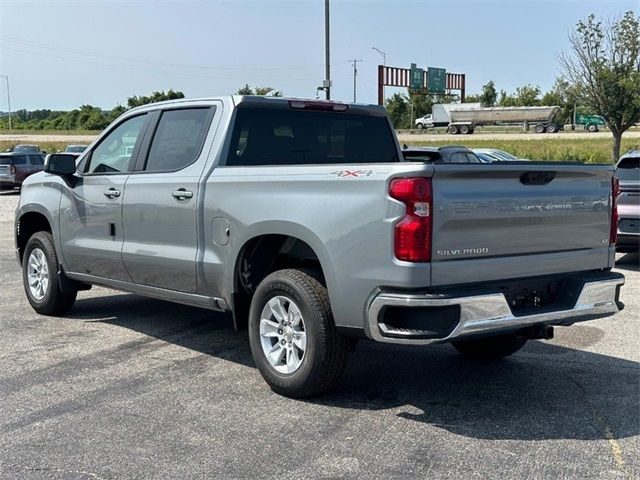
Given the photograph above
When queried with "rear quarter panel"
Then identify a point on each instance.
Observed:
(348, 222)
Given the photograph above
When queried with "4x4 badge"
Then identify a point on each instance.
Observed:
(352, 173)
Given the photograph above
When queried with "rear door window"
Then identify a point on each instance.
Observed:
(178, 139)
(19, 160)
(283, 136)
(36, 159)
(629, 169)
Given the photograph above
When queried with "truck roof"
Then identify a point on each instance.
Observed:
(282, 102)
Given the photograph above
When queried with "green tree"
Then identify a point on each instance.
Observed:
(246, 90)
(421, 103)
(604, 65)
(489, 94)
(262, 91)
(527, 96)
(161, 96)
(398, 109)
(566, 96)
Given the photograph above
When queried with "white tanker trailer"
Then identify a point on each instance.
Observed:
(459, 118)
(464, 121)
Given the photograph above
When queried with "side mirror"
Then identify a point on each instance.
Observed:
(62, 164)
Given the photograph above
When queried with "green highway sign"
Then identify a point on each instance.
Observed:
(417, 75)
(436, 80)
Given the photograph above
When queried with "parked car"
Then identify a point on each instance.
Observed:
(303, 219)
(495, 155)
(26, 149)
(628, 174)
(75, 148)
(446, 154)
(16, 167)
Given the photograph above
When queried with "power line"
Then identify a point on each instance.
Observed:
(104, 56)
(240, 76)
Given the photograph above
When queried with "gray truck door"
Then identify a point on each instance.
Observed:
(91, 208)
(160, 202)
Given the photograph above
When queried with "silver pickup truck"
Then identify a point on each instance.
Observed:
(303, 219)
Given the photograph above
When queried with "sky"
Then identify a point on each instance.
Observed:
(60, 55)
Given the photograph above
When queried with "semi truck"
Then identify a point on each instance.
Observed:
(591, 123)
(463, 118)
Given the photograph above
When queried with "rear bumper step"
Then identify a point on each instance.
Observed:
(421, 319)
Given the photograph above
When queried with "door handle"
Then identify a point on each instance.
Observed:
(112, 193)
(182, 194)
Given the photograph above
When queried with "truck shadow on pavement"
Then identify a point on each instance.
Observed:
(549, 390)
(629, 261)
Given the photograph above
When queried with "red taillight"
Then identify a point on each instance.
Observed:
(12, 169)
(412, 234)
(615, 191)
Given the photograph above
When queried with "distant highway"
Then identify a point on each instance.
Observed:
(402, 137)
(427, 137)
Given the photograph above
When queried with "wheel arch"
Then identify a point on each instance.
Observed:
(29, 220)
(267, 247)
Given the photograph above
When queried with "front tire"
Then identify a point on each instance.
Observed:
(490, 348)
(40, 277)
(294, 342)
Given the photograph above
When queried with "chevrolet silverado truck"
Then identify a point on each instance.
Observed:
(304, 220)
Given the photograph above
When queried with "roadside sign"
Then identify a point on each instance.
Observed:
(417, 75)
(436, 80)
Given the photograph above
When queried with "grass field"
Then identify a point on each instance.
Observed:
(594, 150)
(6, 131)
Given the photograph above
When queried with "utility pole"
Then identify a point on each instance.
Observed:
(355, 74)
(327, 68)
(6, 77)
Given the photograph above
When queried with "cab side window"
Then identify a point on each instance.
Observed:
(178, 139)
(472, 158)
(459, 157)
(113, 153)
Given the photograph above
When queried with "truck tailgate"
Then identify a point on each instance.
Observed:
(511, 220)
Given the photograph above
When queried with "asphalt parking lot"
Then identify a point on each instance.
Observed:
(127, 387)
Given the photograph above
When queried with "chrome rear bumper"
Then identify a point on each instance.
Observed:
(487, 313)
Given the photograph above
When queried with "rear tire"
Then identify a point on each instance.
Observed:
(464, 130)
(489, 348)
(453, 129)
(539, 128)
(40, 277)
(291, 310)
(552, 128)
(592, 127)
